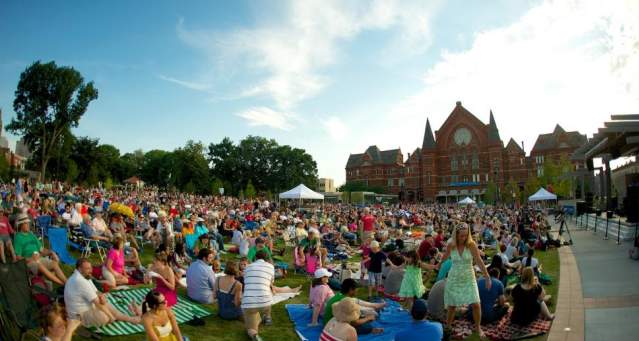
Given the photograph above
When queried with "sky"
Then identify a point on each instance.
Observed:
(331, 77)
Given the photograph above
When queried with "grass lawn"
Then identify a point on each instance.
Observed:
(282, 328)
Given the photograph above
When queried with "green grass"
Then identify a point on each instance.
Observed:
(282, 328)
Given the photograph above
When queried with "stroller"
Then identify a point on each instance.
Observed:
(18, 311)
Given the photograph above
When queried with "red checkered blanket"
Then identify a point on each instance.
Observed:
(503, 329)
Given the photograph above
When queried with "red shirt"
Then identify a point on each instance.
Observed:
(439, 241)
(368, 221)
(5, 226)
(423, 249)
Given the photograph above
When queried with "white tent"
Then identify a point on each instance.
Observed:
(466, 201)
(301, 192)
(542, 194)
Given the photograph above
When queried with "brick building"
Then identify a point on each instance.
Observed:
(457, 160)
(557, 145)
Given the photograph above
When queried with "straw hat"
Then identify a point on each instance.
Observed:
(22, 219)
(346, 310)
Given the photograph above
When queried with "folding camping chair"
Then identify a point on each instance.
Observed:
(43, 223)
(18, 311)
(59, 240)
(87, 243)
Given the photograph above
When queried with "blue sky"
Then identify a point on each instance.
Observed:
(332, 77)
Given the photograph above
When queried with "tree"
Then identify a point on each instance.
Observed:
(215, 187)
(250, 190)
(269, 166)
(490, 196)
(4, 169)
(157, 167)
(532, 186)
(49, 101)
(511, 192)
(359, 186)
(190, 165)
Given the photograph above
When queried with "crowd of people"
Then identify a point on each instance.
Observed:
(403, 248)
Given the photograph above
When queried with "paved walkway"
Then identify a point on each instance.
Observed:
(598, 290)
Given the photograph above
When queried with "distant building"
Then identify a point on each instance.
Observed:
(556, 145)
(22, 149)
(460, 159)
(326, 185)
(4, 143)
(15, 160)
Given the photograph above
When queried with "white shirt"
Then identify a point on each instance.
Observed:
(99, 225)
(258, 277)
(79, 294)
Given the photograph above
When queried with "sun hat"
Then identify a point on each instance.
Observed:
(22, 218)
(346, 310)
(321, 272)
(153, 215)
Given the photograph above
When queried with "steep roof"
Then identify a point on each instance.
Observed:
(429, 139)
(493, 132)
(571, 139)
(375, 156)
(513, 144)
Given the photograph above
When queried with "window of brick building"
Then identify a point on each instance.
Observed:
(453, 163)
(475, 164)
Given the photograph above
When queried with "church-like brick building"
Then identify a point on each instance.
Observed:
(458, 160)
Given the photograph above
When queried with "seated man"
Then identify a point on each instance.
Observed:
(421, 329)
(259, 245)
(362, 324)
(493, 301)
(200, 279)
(86, 304)
(39, 260)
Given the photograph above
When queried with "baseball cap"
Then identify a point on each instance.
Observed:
(321, 272)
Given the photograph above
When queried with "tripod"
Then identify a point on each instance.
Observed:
(563, 225)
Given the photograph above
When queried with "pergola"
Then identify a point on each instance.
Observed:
(619, 137)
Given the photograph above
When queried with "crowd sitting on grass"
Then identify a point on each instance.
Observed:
(404, 250)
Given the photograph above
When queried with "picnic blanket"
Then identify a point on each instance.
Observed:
(184, 311)
(502, 330)
(277, 298)
(392, 318)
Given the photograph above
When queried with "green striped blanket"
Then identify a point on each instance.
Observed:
(184, 311)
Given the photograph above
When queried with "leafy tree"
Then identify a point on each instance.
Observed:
(532, 186)
(157, 167)
(250, 190)
(490, 196)
(511, 192)
(359, 186)
(108, 184)
(215, 187)
(190, 165)
(49, 101)
(4, 168)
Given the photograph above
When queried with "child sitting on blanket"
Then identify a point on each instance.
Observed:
(320, 294)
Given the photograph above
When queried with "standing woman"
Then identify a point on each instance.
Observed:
(461, 288)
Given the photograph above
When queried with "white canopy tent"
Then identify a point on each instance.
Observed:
(466, 201)
(541, 195)
(301, 192)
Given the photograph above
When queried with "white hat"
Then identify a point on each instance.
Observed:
(162, 213)
(283, 217)
(187, 206)
(153, 215)
(374, 244)
(200, 219)
(313, 230)
(321, 272)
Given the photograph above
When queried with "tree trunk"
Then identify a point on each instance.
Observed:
(43, 169)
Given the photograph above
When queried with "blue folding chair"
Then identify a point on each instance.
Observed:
(250, 225)
(43, 221)
(59, 240)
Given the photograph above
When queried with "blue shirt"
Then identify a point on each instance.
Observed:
(443, 270)
(489, 297)
(200, 281)
(423, 331)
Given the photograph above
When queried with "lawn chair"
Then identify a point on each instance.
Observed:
(250, 225)
(59, 240)
(18, 311)
(43, 222)
(88, 244)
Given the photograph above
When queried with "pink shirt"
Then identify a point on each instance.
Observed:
(5, 226)
(319, 295)
(118, 260)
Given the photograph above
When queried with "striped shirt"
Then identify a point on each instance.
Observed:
(258, 277)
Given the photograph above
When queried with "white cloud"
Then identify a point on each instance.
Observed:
(262, 116)
(567, 62)
(186, 84)
(287, 54)
(335, 128)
